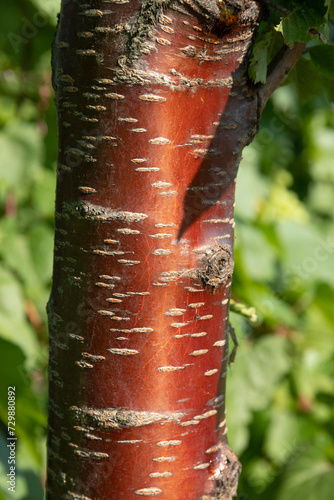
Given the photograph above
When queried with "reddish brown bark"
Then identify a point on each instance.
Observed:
(150, 138)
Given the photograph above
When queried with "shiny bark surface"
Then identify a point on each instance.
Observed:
(151, 130)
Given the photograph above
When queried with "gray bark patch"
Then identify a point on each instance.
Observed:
(88, 211)
(111, 418)
(144, 24)
(142, 29)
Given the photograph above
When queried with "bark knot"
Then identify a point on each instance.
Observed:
(217, 267)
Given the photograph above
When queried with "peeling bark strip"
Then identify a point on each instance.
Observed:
(154, 109)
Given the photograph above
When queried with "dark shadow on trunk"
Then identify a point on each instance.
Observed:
(214, 181)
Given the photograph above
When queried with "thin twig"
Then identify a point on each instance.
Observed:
(275, 6)
(278, 70)
(240, 308)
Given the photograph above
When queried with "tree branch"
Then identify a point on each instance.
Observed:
(275, 6)
(278, 71)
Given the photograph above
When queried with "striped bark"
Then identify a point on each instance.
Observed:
(154, 109)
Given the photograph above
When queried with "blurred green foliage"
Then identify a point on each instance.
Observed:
(27, 185)
(281, 386)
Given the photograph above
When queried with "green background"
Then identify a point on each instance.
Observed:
(281, 387)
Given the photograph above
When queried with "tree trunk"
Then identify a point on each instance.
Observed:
(154, 109)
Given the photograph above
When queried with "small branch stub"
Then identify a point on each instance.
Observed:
(227, 475)
(217, 267)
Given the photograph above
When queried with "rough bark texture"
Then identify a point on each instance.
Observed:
(154, 109)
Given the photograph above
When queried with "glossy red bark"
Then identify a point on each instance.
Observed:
(147, 165)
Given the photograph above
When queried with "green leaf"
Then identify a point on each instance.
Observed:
(330, 6)
(13, 325)
(17, 255)
(259, 59)
(274, 309)
(258, 255)
(306, 79)
(282, 435)
(319, 5)
(295, 27)
(266, 365)
(324, 302)
(11, 375)
(251, 186)
(20, 154)
(10, 22)
(30, 420)
(323, 150)
(323, 59)
(309, 477)
(43, 193)
(48, 9)
(319, 328)
(282, 203)
(7, 109)
(308, 254)
(41, 248)
(321, 196)
(329, 87)
(252, 383)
